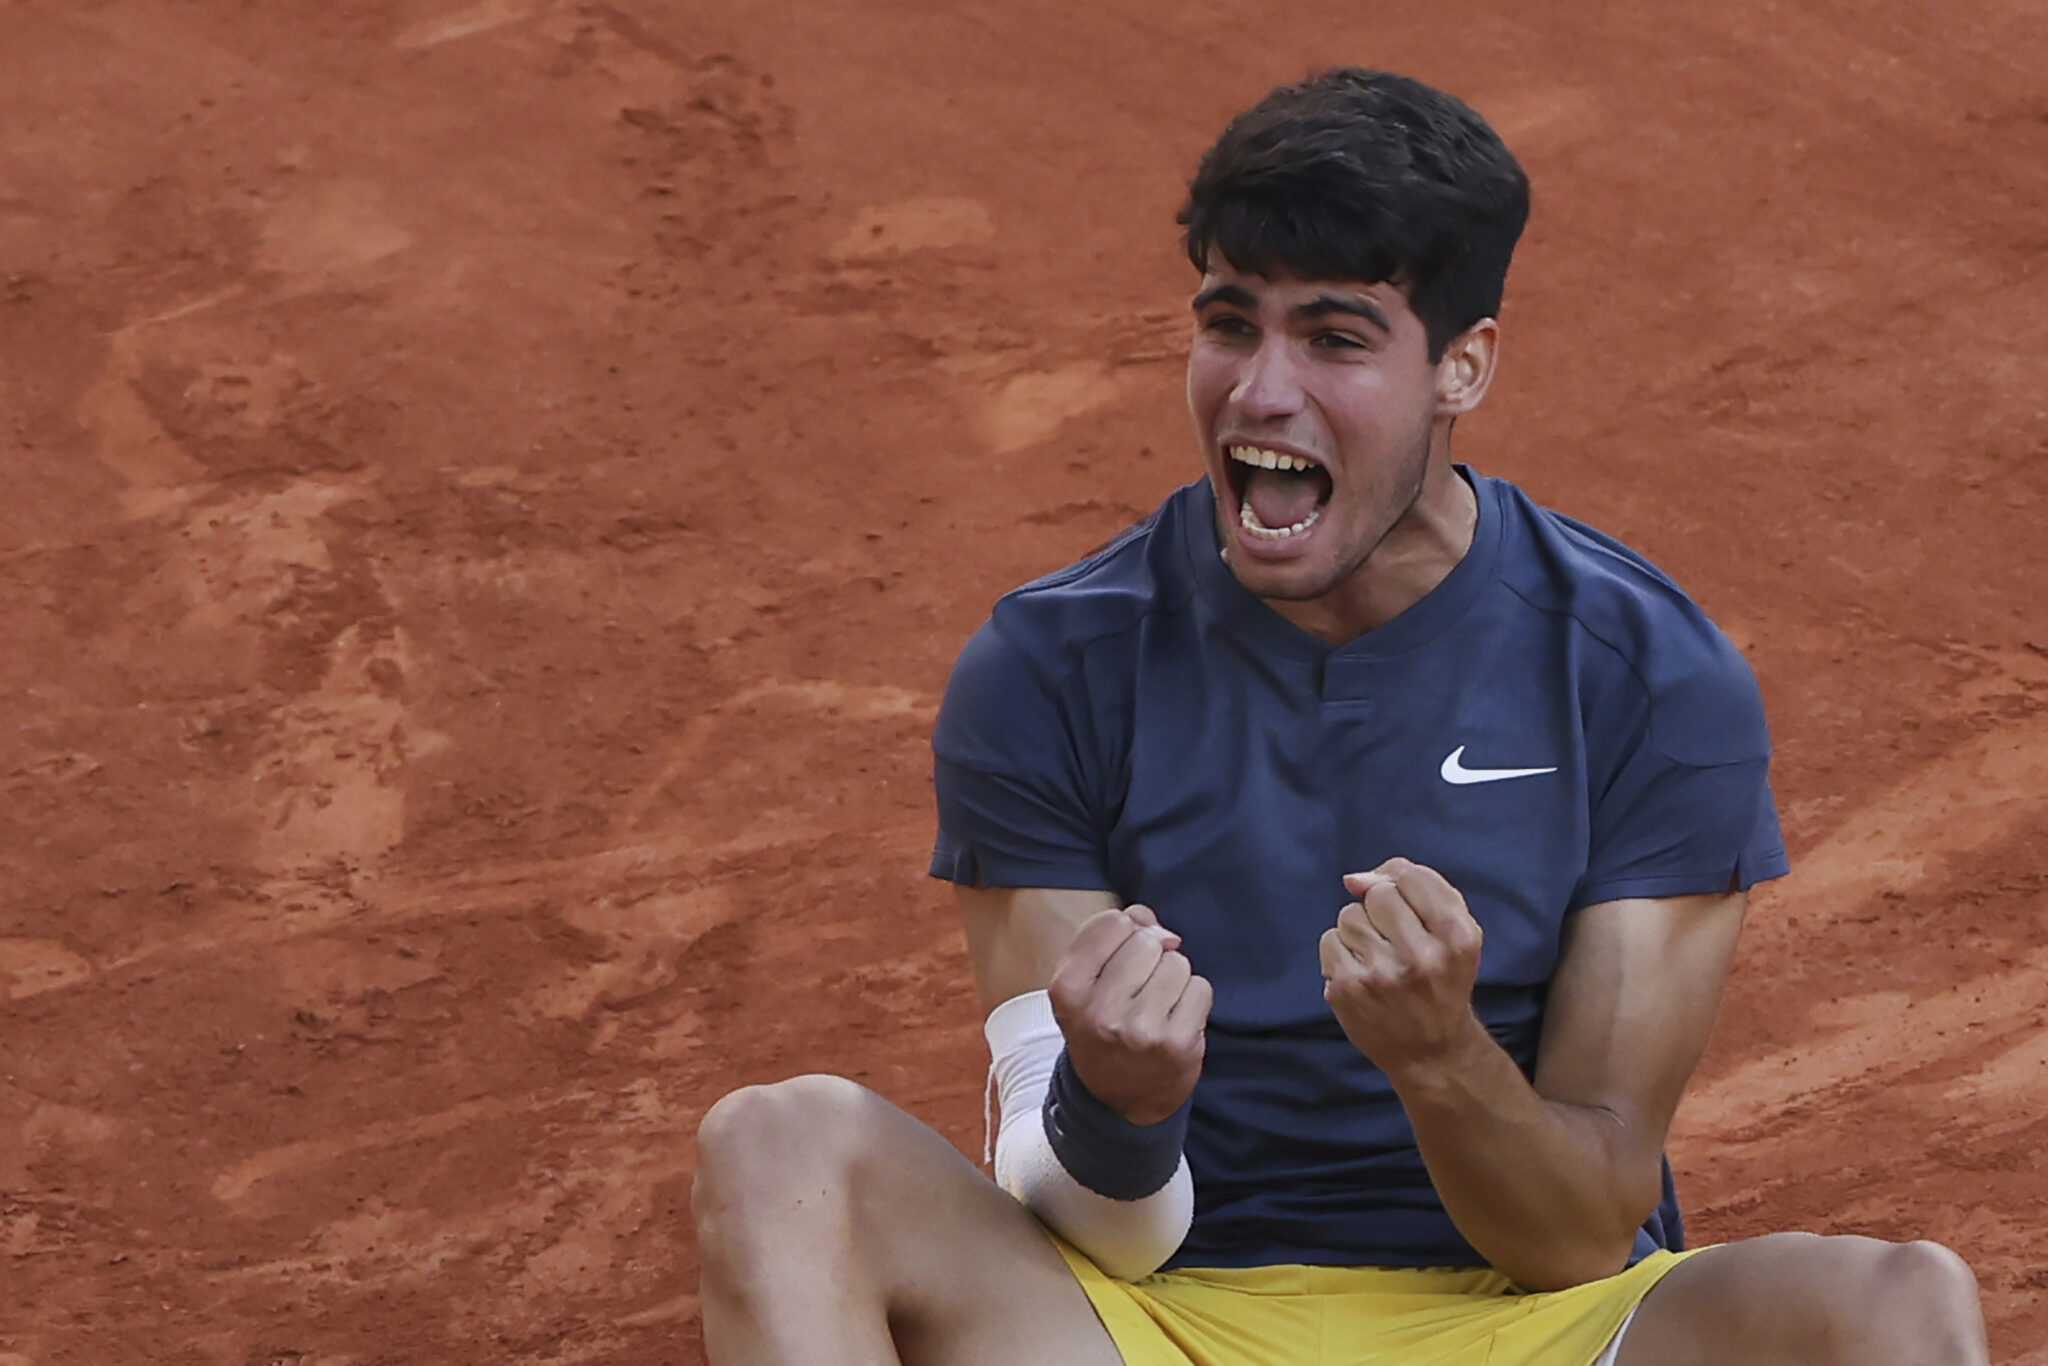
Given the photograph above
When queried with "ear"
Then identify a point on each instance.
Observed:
(1466, 370)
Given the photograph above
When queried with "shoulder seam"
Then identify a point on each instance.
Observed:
(1649, 694)
(1165, 604)
(1580, 622)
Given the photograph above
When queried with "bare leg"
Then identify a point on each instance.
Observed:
(837, 1229)
(1796, 1299)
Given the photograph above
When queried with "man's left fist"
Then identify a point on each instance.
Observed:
(1398, 968)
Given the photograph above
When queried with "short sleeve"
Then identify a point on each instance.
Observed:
(1686, 808)
(1018, 801)
(1670, 829)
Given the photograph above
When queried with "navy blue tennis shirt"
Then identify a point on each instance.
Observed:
(1555, 725)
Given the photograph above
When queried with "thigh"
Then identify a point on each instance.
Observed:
(862, 1202)
(979, 1281)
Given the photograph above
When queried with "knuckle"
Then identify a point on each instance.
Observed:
(1103, 932)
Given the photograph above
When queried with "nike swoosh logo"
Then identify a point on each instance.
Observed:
(1455, 772)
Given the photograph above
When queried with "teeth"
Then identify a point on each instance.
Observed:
(1260, 458)
(1249, 520)
(1268, 460)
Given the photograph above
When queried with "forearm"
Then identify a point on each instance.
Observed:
(1095, 1070)
(1549, 1193)
(1128, 1218)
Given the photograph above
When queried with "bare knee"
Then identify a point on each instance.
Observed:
(1906, 1302)
(812, 1116)
(814, 1181)
(1926, 1296)
(1931, 1270)
(1821, 1301)
(760, 1139)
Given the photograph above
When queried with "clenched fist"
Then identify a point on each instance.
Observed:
(1399, 966)
(1133, 1012)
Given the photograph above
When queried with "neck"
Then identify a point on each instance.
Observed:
(1417, 554)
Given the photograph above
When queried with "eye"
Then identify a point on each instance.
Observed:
(1339, 341)
(1227, 325)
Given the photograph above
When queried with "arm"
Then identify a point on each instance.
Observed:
(1016, 935)
(1548, 1180)
(1093, 1070)
(1127, 1001)
(1096, 1031)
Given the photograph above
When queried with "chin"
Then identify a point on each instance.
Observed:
(1281, 582)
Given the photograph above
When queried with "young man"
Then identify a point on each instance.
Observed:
(1352, 855)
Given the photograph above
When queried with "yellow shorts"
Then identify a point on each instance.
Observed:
(1359, 1316)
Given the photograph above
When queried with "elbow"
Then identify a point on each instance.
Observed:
(1590, 1249)
(1560, 1266)
(1587, 1227)
(1598, 1243)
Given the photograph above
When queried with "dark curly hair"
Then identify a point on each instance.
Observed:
(1364, 175)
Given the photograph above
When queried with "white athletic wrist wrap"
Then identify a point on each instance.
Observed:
(1126, 1238)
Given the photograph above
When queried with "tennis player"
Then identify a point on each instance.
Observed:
(1352, 855)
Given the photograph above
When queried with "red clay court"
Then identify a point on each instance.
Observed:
(493, 493)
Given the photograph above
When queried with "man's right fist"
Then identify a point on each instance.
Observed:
(1133, 1013)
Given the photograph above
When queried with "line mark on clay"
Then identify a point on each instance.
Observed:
(1903, 844)
(1966, 800)
(466, 23)
(235, 1183)
(1890, 1032)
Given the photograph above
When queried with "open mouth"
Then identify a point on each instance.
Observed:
(1278, 495)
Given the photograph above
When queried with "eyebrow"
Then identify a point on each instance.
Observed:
(1237, 296)
(1326, 304)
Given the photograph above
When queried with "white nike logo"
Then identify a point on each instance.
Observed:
(1454, 771)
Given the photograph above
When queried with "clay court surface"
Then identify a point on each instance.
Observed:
(491, 497)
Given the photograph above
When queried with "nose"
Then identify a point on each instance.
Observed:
(1269, 386)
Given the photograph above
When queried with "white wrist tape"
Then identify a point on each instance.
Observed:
(1126, 1238)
